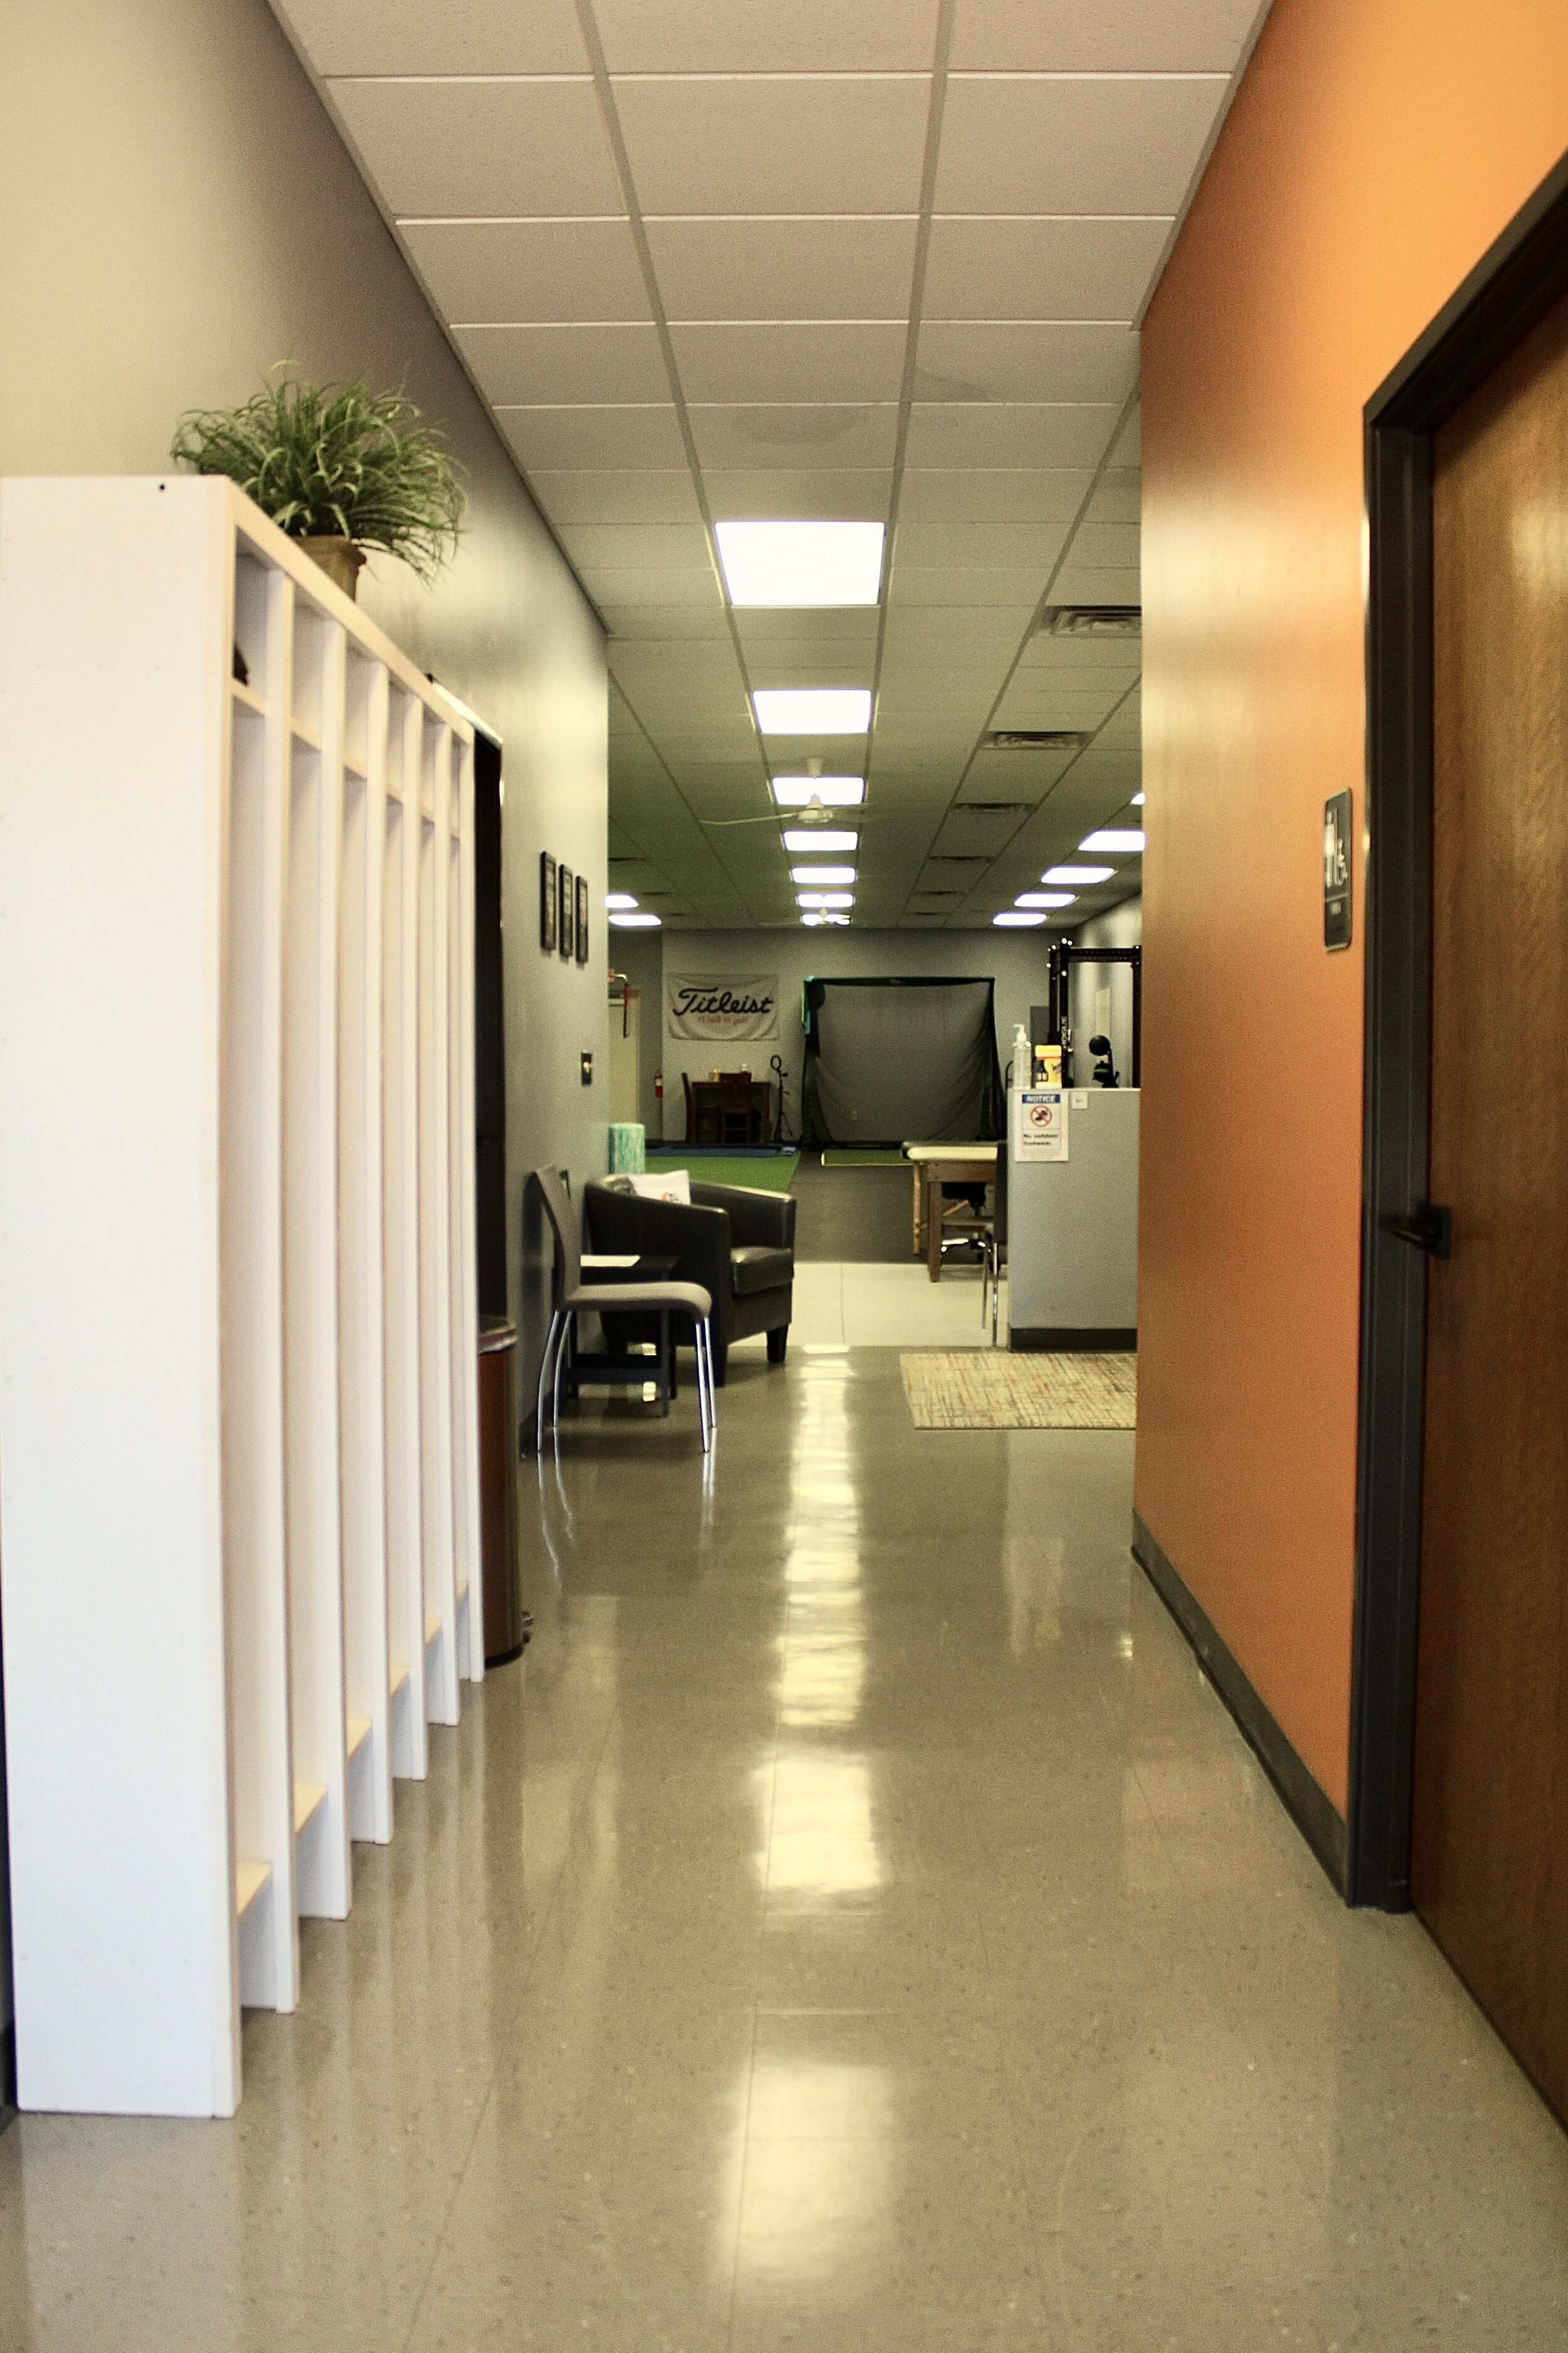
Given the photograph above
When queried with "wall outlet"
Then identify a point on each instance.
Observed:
(587, 1063)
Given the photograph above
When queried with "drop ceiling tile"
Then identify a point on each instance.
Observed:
(1032, 700)
(635, 624)
(1083, 658)
(593, 434)
(1017, 361)
(793, 268)
(992, 495)
(800, 493)
(775, 143)
(633, 547)
(1081, 584)
(482, 149)
(796, 363)
(616, 589)
(619, 495)
(917, 636)
(805, 433)
(1119, 498)
(1114, 36)
(994, 434)
(791, 629)
(958, 584)
(758, 37)
(1106, 547)
(461, 36)
(1129, 449)
(1041, 268)
(1034, 546)
(1101, 143)
(522, 365)
(509, 270)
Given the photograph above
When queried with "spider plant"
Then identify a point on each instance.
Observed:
(335, 461)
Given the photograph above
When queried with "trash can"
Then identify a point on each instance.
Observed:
(506, 1621)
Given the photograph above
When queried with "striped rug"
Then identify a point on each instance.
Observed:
(983, 1388)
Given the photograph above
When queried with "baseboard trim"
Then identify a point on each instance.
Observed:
(1314, 1815)
(1072, 1339)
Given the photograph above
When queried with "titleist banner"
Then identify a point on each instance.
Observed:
(723, 1008)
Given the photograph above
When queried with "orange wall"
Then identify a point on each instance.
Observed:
(1374, 150)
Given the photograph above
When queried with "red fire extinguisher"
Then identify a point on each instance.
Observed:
(658, 1086)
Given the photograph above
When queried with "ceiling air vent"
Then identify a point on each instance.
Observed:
(991, 808)
(1034, 739)
(1091, 621)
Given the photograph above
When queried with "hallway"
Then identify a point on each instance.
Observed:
(857, 1929)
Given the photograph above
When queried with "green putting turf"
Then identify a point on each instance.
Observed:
(764, 1172)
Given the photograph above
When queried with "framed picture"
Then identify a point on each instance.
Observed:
(581, 919)
(546, 902)
(566, 928)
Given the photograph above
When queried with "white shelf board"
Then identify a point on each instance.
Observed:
(309, 1797)
(359, 1733)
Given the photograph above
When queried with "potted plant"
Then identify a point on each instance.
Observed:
(340, 469)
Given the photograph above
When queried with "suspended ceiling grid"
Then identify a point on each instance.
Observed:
(710, 259)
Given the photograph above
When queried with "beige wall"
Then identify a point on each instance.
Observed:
(1374, 150)
(176, 214)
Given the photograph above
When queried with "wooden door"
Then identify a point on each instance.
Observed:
(1489, 1861)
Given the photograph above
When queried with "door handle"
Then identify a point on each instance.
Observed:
(1428, 1226)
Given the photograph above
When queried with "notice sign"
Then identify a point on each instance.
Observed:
(725, 1009)
(1040, 1124)
(1337, 871)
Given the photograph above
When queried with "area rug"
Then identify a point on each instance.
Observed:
(854, 1155)
(983, 1388)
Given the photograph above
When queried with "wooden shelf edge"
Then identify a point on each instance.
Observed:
(359, 1733)
(397, 1677)
(309, 1797)
(249, 1880)
(247, 698)
(310, 737)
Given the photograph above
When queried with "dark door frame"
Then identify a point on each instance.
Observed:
(1510, 289)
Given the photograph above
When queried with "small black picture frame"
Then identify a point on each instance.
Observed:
(581, 919)
(546, 902)
(566, 928)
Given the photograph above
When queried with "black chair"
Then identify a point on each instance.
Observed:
(738, 1245)
(570, 1295)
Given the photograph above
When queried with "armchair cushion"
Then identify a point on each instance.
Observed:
(753, 1268)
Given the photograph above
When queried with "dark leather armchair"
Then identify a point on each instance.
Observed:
(737, 1244)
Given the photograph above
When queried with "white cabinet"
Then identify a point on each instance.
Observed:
(239, 1472)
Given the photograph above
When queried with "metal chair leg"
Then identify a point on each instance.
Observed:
(561, 1362)
(550, 1339)
(705, 1401)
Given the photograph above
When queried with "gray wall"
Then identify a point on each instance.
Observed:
(177, 213)
(1121, 928)
(1015, 960)
(640, 955)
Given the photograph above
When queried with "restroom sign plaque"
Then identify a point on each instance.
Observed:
(1041, 1123)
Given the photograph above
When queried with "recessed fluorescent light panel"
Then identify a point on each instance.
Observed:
(822, 874)
(811, 921)
(813, 710)
(1017, 919)
(801, 563)
(832, 792)
(823, 901)
(801, 840)
(619, 901)
(1077, 874)
(1115, 836)
(627, 922)
(1044, 899)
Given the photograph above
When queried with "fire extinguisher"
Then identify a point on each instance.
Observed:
(658, 1086)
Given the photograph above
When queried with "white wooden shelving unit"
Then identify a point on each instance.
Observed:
(239, 1433)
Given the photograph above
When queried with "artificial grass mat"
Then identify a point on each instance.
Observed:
(765, 1172)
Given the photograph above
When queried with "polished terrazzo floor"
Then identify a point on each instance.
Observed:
(859, 1928)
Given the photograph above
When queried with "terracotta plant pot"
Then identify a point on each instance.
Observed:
(339, 558)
